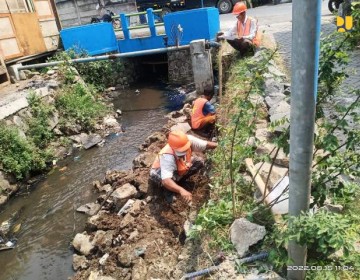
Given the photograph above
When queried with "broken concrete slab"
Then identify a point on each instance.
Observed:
(184, 127)
(277, 172)
(281, 195)
(89, 208)
(243, 234)
(270, 150)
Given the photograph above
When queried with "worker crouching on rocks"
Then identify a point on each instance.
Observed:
(203, 115)
(243, 36)
(176, 162)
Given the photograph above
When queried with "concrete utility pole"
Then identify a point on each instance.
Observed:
(306, 16)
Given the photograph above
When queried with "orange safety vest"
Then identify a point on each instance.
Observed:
(197, 112)
(246, 31)
(183, 165)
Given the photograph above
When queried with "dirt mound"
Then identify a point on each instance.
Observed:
(145, 240)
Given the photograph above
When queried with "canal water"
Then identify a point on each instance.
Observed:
(47, 212)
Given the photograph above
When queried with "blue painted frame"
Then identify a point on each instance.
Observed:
(97, 38)
(129, 44)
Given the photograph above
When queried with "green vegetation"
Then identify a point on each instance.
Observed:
(330, 237)
(39, 129)
(78, 104)
(18, 155)
(231, 194)
(100, 74)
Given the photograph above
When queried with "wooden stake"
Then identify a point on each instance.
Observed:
(220, 71)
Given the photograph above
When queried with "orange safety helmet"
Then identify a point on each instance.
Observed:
(239, 8)
(178, 141)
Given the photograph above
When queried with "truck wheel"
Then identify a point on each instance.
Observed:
(224, 6)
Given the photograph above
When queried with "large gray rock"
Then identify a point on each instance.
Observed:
(144, 160)
(111, 122)
(52, 84)
(71, 129)
(103, 239)
(53, 120)
(273, 100)
(122, 194)
(80, 262)
(281, 107)
(91, 141)
(272, 86)
(83, 244)
(244, 234)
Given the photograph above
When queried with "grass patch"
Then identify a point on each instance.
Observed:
(78, 104)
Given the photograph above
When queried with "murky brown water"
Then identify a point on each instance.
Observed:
(47, 213)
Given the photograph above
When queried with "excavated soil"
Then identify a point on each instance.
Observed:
(146, 242)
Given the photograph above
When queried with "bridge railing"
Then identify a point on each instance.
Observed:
(139, 26)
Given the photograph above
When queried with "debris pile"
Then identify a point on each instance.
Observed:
(134, 233)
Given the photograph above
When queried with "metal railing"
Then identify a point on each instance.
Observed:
(137, 26)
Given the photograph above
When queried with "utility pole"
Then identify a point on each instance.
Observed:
(306, 19)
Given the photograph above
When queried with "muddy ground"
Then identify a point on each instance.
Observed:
(148, 241)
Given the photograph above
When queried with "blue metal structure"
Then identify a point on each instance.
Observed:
(180, 30)
(95, 38)
(129, 44)
(186, 26)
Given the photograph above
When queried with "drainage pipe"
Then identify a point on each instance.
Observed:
(112, 56)
(104, 57)
(211, 269)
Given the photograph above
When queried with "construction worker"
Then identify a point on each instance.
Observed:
(203, 112)
(176, 162)
(244, 35)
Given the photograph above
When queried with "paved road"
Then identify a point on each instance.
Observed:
(276, 22)
(269, 15)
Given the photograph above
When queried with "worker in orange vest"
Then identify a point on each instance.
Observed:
(176, 162)
(203, 112)
(244, 35)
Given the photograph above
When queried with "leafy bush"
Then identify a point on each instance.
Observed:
(78, 104)
(39, 129)
(19, 156)
(98, 73)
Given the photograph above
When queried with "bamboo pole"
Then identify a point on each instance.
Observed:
(220, 71)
